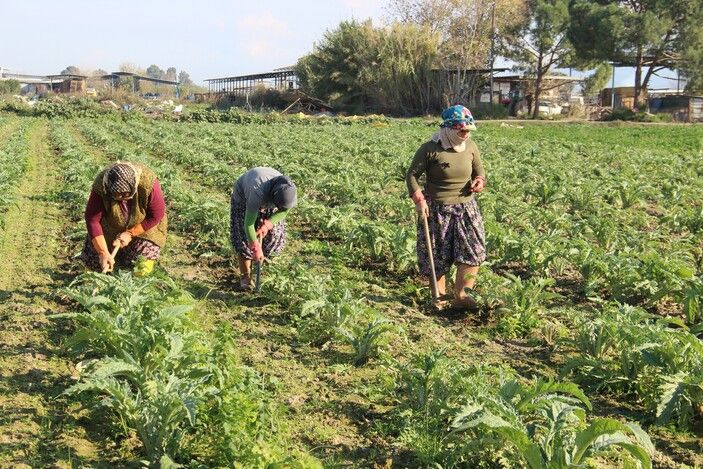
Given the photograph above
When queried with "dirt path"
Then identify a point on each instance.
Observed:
(37, 427)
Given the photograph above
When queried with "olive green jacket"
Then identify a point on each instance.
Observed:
(448, 174)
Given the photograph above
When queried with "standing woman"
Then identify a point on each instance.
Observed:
(453, 173)
(261, 199)
(126, 208)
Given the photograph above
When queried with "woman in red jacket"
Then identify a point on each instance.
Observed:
(126, 208)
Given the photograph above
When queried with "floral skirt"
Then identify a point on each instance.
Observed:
(457, 235)
(126, 257)
(273, 242)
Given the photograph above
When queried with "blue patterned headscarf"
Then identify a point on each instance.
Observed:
(458, 117)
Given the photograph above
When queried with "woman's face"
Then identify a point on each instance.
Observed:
(463, 133)
(121, 196)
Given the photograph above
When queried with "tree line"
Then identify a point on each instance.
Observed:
(153, 71)
(418, 59)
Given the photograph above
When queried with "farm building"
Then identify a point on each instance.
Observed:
(683, 108)
(62, 83)
(624, 97)
(280, 79)
(67, 83)
(134, 81)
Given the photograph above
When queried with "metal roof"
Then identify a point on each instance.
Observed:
(257, 76)
(68, 75)
(140, 77)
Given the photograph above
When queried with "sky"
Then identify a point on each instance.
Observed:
(207, 38)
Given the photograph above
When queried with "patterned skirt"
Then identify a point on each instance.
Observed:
(273, 242)
(457, 235)
(126, 257)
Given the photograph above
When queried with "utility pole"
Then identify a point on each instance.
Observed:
(612, 90)
(493, 44)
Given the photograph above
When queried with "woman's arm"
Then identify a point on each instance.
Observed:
(93, 215)
(154, 213)
(249, 224)
(416, 169)
(477, 166)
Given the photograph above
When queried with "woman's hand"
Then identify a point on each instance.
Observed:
(123, 239)
(420, 204)
(422, 209)
(107, 263)
(263, 230)
(478, 184)
(256, 251)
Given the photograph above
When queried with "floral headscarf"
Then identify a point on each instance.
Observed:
(458, 117)
(454, 120)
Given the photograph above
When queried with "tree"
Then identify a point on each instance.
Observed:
(358, 68)
(98, 72)
(593, 83)
(71, 70)
(466, 28)
(335, 71)
(402, 73)
(184, 78)
(691, 63)
(650, 35)
(155, 72)
(539, 42)
(170, 74)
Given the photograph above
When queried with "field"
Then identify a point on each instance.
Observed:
(586, 347)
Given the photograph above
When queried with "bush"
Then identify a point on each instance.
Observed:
(10, 87)
(69, 108)
(489, 111)
(636, 116)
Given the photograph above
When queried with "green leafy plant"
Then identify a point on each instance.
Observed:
(366, 338)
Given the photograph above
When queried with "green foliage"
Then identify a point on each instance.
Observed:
(358, 68)
(366, 338)
(157, 372)
(10, 87)
(626, 351)
(632, 116)
(522, 305)
(68, 108)
(546, 424)
(645, 34)
(539, 42)
(13, 165)
(489, 111)
(593, 83)
(458, 416)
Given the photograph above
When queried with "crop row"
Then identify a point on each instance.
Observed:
(603, 226)
(146, 358)
(14, 152)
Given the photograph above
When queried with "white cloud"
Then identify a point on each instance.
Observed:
(265, 23)
(267, 33)
(259, 47)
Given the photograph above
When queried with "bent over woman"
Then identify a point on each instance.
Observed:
(261, 199)
(126, 208)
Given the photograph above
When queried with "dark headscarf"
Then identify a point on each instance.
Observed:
(283, 192)
(121, 177)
